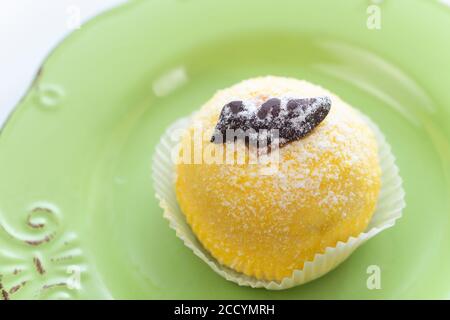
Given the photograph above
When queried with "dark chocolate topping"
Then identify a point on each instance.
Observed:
(291, 120)
(272, 105)
(235, 106)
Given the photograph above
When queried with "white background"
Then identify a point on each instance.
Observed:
(29, 30)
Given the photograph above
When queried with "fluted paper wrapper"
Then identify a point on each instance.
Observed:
(388, 210)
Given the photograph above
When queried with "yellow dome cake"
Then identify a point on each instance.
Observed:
(322, 188)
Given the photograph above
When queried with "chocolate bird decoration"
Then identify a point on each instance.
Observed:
(285, 120)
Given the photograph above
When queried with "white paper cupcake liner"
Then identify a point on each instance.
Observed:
(388, 209)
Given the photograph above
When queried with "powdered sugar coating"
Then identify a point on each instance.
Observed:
(324, 189)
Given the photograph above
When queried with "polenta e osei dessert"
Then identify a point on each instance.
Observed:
(324, 189)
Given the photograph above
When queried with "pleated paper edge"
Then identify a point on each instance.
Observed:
(388, 209)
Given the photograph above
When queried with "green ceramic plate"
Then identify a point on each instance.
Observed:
(77, 209)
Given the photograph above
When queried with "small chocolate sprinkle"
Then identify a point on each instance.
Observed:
(293, 118)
